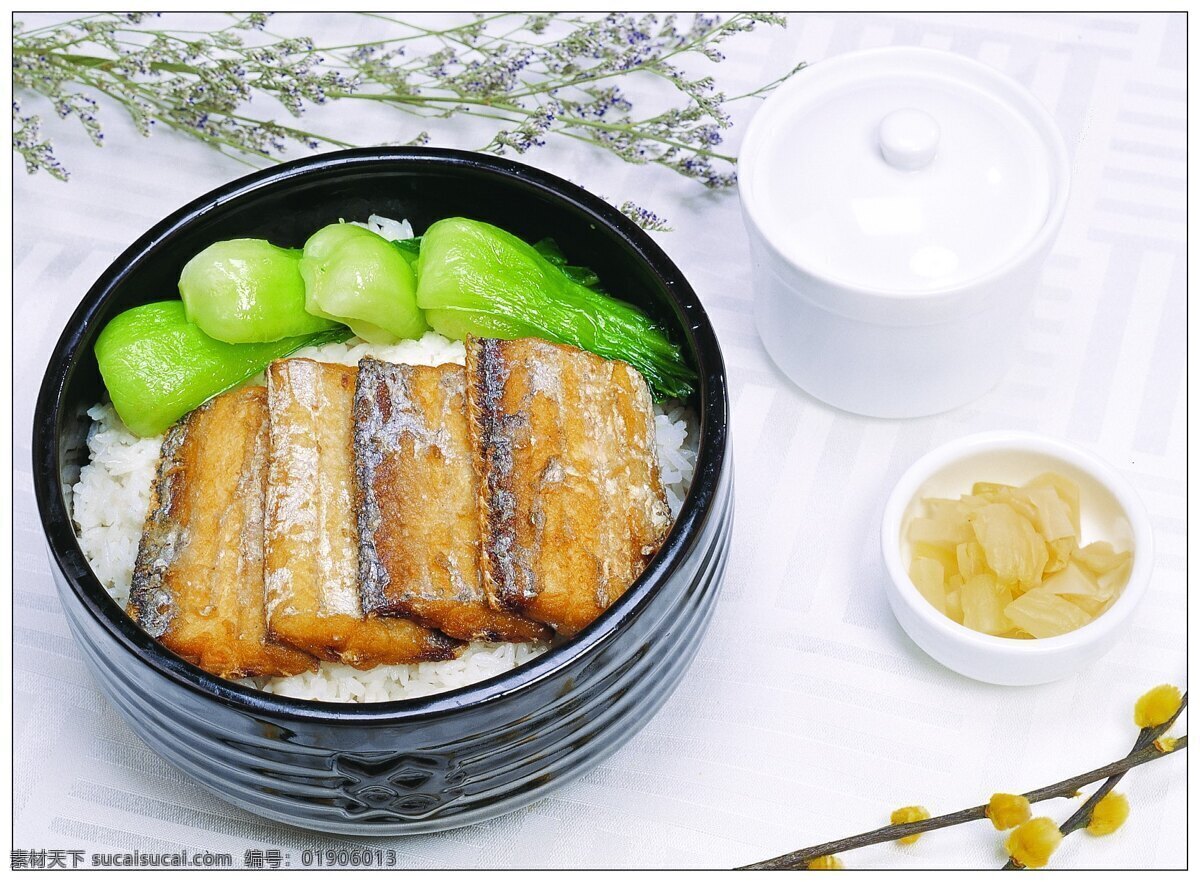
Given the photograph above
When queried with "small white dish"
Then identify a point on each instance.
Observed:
(1110, 510)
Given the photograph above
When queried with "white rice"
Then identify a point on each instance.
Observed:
(112, 496)
(393, 230)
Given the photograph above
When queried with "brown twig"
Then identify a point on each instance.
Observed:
(1083, 815)
(1143, 752)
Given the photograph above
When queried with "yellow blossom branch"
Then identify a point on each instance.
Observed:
(1144, 751)
(1146, 739)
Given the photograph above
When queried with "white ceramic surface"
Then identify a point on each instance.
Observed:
(1110, 511)
(899, 204)
(908, 139)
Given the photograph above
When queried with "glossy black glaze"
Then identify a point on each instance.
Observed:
(450, 759)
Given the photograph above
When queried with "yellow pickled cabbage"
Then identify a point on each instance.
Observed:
(983, 603)
(1013, 548)
(1009, 560)
(1044, 614)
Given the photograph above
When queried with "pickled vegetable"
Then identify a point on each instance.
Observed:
(927, 576)
(474, 278)
(157, 365)
(1090, 605)
(941, 531)
(983, 603)
(1008, 560)
(1012, 547)
(970, 559)
(357, 277)
(1052, 516)
(941, 553)
(1066, 490)
(247, 291)
(1043, 614)
(1114, 580)
(1060, 552)
(954, 607)
(1100, 558)
(1073, 581)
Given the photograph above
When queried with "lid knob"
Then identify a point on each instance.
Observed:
(908, 138)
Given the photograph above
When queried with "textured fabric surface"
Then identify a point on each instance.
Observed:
(808, 714)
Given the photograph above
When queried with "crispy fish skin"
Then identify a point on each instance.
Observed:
(571, 502)
(416, 500)
(311, 544)
(198, 580)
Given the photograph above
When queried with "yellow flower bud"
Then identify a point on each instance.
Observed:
(1165, 744)
(1007, 810)
(1031, 844)
(826, 862)
(1108, 815)
(1157, 706)
(907, 815)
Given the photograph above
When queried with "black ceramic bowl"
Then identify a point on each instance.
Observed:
(458, 757)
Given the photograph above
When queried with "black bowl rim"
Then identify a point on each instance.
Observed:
(710, 458)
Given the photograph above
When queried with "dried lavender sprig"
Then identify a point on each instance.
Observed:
(195, 84)
(28, 142)
(561, 87)
(536, 76)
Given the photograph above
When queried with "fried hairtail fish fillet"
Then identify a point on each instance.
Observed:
(417, 498)
(198, 580)
(311, 549)
(571, 501)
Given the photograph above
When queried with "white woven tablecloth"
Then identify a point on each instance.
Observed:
(808, 714)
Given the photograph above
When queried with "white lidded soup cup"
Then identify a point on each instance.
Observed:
(1110, 511)
(899, 204)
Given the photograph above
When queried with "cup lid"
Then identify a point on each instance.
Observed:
(902, 171)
